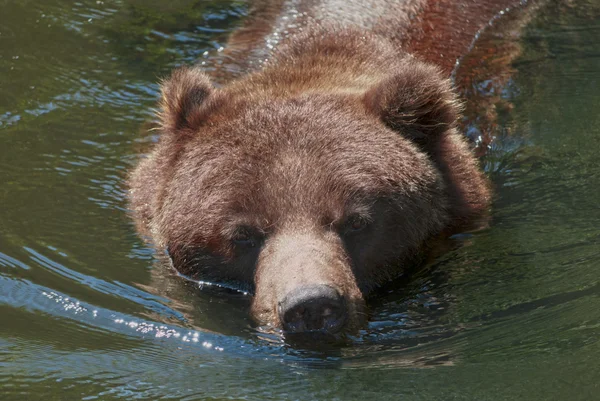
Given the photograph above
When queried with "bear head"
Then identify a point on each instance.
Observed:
(306, 199)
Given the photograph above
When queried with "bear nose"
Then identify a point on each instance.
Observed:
(312, 308)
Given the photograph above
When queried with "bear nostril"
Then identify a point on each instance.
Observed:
(312, 308)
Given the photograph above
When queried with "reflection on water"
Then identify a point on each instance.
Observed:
(87, 313)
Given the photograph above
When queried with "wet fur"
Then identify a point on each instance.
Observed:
(340, 122)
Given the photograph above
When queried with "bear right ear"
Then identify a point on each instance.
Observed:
(183, 94)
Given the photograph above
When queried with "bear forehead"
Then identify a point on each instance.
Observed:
(292, 157)
(312, 136)
(305, 144)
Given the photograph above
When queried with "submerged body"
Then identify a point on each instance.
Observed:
(324, 170)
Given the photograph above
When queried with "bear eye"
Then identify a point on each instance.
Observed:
(246, 237)
(356, 223)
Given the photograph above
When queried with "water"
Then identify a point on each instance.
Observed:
(86, 312)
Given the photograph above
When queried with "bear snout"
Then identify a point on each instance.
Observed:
(304, 283)
(312, 308)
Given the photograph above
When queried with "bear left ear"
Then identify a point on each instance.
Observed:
(184, 94)
(417, 101)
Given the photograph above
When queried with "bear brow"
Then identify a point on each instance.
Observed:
(237, 223)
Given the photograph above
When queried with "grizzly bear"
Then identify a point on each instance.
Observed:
(327, 167)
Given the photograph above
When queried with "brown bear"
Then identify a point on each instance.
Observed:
(328, 168)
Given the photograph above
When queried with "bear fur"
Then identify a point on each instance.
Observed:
(335, 163)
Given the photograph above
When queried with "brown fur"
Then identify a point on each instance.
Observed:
(261, 182)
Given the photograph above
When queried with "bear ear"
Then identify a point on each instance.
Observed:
(416, 101)
(183, 94)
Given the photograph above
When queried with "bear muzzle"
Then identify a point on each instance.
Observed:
(305, 284)
(312, 308)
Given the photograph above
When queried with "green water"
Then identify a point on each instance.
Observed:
(86, 313)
